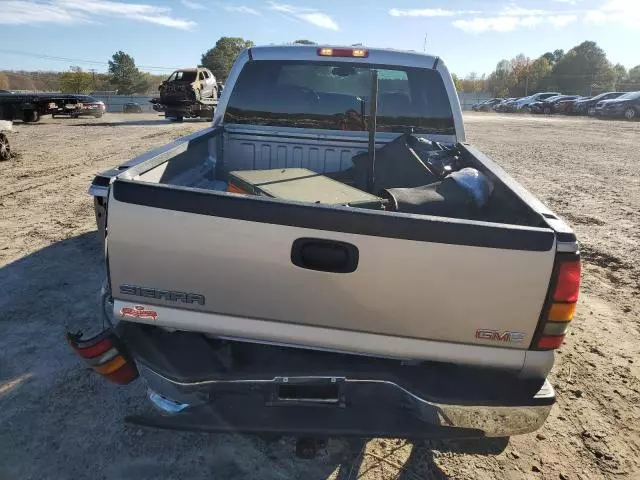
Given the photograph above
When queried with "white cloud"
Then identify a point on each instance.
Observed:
(20, 12)
(193, 5)
(513, 17)
(514, 10)
(624, 12)
(281, 7)
(427, 12)
(485, 24)
(241, 9)
(319, 19)
(309, 15)
(560, 21)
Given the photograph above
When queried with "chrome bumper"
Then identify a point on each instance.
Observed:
(361, 407)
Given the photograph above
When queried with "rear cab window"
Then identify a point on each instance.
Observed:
(336, 96)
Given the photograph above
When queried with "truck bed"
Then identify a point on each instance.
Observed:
(235, 252)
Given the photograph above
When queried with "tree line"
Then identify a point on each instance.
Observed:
(583, 70)
(123, 76)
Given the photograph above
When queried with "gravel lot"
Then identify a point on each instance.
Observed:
(59, 421)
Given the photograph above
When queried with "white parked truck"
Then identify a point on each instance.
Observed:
(331, 257)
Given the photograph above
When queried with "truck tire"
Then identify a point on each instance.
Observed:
(5, 149)
(30, 116)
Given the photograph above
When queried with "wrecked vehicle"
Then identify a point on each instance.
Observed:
(331, 257)
(5, 148)
(190, 93)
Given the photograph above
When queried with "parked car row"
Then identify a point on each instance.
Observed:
(608, 104)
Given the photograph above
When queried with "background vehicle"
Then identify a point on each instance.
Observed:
(549, 105)
(5, 148)
(189, 92)
(75, 106)
(566, 105)
(627, 106)
(504, 105)
(588, 105)
(524, 103)
(486, 106)
(132, 108)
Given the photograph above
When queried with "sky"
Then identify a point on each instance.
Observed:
(162, 35)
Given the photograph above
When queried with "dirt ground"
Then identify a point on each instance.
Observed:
(59, 421)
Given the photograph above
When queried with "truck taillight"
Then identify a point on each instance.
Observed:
(343, 52)
(562, 304)
(104, 354)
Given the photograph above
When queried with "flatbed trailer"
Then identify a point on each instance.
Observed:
(28, 107)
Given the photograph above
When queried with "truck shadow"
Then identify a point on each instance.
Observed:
(393, 462)
(42, 293)
(43, 386)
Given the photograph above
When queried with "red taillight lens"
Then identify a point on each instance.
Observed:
(94, 350)
(343, 52)
(568, 282)
(103, 354)
(550, 342)
(563, 303)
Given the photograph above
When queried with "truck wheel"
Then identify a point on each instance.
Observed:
(5, 150)
(30, 116)
(630, 114)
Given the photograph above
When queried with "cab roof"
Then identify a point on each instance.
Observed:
(383, 56)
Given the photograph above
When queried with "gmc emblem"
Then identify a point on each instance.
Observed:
(498, 336)
(169, 295)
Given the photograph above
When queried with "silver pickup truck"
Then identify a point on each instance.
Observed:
(412, 314)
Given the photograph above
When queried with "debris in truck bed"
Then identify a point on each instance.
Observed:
(302, 185)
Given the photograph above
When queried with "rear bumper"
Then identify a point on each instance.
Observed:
(213, 385)
(357, 407)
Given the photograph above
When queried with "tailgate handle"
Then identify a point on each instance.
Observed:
(324, 255)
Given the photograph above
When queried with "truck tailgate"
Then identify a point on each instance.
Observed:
(414, 277)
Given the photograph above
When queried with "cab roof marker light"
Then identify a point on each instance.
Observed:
(342, 52)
